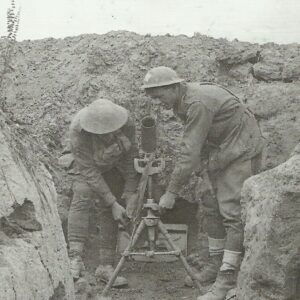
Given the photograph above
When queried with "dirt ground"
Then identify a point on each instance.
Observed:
(147, 280)
(154, 281)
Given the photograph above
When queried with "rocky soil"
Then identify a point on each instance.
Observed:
(271, 211)
(51, 79)
(54, 78)
(33, 253)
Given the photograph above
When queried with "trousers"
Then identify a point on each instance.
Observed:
(84, 199)
(222, 211)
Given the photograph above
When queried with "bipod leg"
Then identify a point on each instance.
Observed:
(187, 267)
(119, 266)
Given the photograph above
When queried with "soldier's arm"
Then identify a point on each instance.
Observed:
(197, 125)
(131, 181)
(82, 152)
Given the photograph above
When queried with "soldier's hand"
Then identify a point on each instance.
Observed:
(130, 199)
(119, 213)
(167, 201)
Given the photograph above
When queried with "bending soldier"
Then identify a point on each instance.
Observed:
(213, 117)
(102, 140)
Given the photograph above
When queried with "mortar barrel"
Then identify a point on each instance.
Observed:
(148, 136)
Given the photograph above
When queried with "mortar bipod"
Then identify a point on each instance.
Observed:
(151, 222)
(154, 225)
(148, 165)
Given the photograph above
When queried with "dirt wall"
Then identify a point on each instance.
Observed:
(33, 253)
(271, 212)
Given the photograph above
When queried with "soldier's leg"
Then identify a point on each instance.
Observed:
(229, 184)
(213, 221)
(213, 226)
(78, 223)
(107, 235)
(108, 230)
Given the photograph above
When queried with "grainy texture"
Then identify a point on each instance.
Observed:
(33, 253)
(54, 78)
(271, 211)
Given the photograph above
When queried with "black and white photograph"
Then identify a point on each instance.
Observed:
(150, 150)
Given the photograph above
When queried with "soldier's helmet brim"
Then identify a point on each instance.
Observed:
(160, 76)
(103, 116)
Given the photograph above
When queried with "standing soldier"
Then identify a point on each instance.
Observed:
(214, 119)
(102, 138)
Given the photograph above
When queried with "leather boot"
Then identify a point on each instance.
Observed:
(226, 280)
(208, 273)
(76, 262)
(210, 270)
(104, 273)
(227, 277)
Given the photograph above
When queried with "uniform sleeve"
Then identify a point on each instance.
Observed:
(131, 181)
(197, 125)
(82, 150)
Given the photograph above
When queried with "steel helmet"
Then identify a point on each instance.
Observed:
(160, 76)
(103, 116)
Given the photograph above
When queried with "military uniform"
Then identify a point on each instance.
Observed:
(218, 124)
(99, 160)
(216, 120)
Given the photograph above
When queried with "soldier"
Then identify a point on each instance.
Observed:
(102, 138)
(216, 120)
